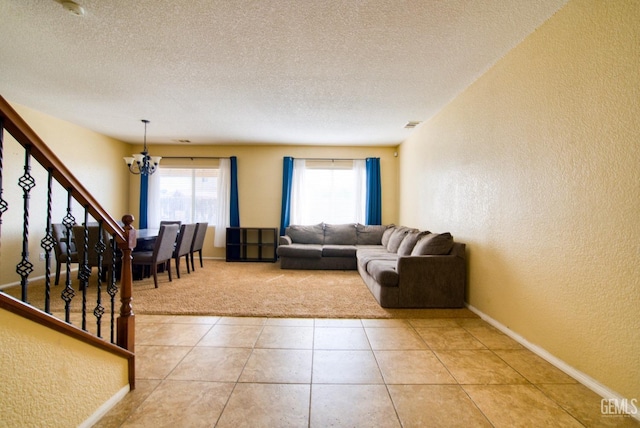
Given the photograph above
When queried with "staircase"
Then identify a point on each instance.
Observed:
(107, 319)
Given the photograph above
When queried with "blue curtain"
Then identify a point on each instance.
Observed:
(287, 180)
(144, 206)
(234, 213)
(374, 192)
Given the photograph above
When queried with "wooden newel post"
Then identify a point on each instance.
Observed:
(126, 321)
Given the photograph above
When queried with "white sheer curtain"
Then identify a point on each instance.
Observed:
(153, 200)
(297, 193)
(331, 193)
(224, 196)
(360, 170)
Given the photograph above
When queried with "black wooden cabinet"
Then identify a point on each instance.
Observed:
(252, 244)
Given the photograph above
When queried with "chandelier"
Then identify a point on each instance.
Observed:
(142, 163)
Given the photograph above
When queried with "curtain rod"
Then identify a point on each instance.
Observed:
(331, 159)
(195, 157)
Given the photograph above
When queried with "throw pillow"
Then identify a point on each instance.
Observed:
(433, 244)
(303, 234)
(387, 234)
(396, 239)
(410, 241)
(340, 234)
(370, 234)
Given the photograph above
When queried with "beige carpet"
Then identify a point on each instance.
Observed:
(249, 289)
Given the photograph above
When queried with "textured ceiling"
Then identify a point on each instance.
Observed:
(248, 71)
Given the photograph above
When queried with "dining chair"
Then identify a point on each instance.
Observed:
(168, 222)
(183, 245)
(60, 249)
(198, 242)
(161, 254)
(92, 253)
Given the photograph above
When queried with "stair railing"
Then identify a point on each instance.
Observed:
(121, 239)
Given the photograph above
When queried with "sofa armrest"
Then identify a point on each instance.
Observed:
(284, 240)
(432, 281)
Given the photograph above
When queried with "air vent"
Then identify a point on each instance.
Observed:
(412, 124)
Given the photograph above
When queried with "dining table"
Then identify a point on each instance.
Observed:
(145, 239)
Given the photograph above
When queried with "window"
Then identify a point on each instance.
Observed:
(187, 194)
(330, 191)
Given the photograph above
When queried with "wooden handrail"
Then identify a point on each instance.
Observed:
(125, 237)
(17, 307)
(27, 137)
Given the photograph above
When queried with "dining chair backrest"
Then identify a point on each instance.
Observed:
(198, 242)
(63, 243)
(93, 235)
(59, 232)
(163, 249)
(198, 237)
(168, 222)
(185, 238)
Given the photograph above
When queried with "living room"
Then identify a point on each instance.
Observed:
(534, 166)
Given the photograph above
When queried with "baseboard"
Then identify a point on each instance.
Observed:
(102, 410)
(13, 284)
(35, 278)
(52, 276)
(579, 376)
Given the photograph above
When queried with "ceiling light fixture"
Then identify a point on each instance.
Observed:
(143, 163)
(73, 7)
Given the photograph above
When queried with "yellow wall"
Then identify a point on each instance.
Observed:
(94, 159)
(48, 379)
(260, 179)
(536, 167)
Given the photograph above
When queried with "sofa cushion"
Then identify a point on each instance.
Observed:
(371, 247)
(306, 234)
(338, 251)
(370, 234)
(386, 235)
(364, 256)
(396, 239)
(384, 272)
(410, 241)
(366, 251)
(340, 234)
(434, 244)
(307, 251)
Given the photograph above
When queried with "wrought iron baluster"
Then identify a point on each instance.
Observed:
(47, 243)
(85, 270)
(68, 293)
(25, 267)
(98, 311)
(4, 206)
(112, 288)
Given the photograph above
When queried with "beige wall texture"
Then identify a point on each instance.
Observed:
(536, 166)
(48, 379)
(94, 159)
(260, 179)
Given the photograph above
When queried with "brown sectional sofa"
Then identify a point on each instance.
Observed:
(402, 267)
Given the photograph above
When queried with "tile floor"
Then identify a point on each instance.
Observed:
(278, 372)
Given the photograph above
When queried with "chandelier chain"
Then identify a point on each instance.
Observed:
(143, 163)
